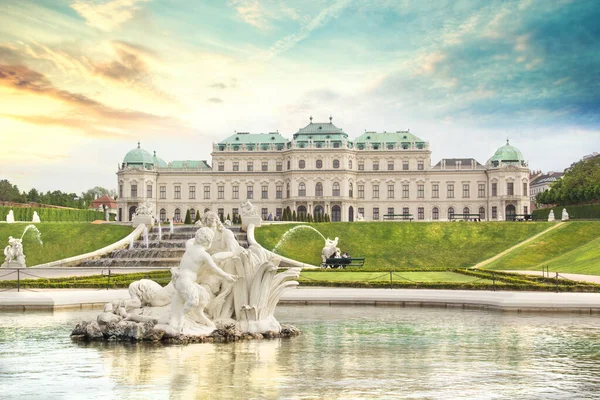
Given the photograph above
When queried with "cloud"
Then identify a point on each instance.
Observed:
(251, 12)
(108, 14)
(218, 85)
(131, 64)
(215, 100)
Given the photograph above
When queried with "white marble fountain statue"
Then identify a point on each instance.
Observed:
(219, 292)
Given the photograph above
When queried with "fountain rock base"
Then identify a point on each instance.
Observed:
(151, 331)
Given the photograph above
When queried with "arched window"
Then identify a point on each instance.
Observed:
(319, 189)
(435, 213)
(319, 164)
(336, 189)
(336, 214)
(318, 210)
(177, 215)
(301, 164)
(350, 164)
(287, 191)
(193, 214)
(163, 214)
(466, 211)
(301, 190)
(336, 163)
(450, 213)
(350, 190)
(481, 213)
(302, 212)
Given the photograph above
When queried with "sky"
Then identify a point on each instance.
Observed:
(82, 81)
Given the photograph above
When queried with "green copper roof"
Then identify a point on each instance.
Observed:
(182, 164)
(506, 154)
(388, 137)
(254, 138)
(138, 156)
(320, 131)
(158, 161)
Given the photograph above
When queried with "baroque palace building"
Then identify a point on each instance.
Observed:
(322, 171)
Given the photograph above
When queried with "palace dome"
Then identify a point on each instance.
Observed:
(138, 156)
(506, 154)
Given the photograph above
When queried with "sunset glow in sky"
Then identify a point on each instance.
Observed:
(81, 81)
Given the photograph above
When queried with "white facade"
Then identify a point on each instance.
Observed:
(321, 170)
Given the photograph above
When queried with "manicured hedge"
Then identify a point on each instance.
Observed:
(586, 211)
(25, 214)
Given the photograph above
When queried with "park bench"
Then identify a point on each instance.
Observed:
(465, 217)
(520, 217)
(397, 217)
(343, 262)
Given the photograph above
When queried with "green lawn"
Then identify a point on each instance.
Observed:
(573, 248)
(388, 245)
(404, 276)
(62, 239)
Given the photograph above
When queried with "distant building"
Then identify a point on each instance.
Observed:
(540, 183)
(105, 203)
(320, 170)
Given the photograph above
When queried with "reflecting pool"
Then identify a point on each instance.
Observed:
(344, 352)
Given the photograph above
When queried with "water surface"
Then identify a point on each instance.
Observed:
(343, 353)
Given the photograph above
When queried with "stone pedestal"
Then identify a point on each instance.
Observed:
(13, 264)
(143, 219)
(250, 219)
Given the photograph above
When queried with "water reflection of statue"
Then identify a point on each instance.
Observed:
(248, 209)
(14, 252)
(330, 249)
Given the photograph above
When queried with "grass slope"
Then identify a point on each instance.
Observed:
(569, 248)
(62, 239)
(402, 244)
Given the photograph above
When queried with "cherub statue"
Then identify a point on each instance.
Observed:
(330, 249)
(14, 252)
(248, 209)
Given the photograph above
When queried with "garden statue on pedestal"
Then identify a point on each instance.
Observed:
(36, 217)
(220, 291)
(14, 254)
(10, 218)
(249, 214)
(551, 216)
(144, 214)
(330, 249)
(565, 215)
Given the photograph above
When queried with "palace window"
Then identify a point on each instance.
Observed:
(264, 166)
(236, 192)
(361, 165)
(288, 165)
(510, 188)
(405, 165)
(319, 189)
(421, 213)
(465, 212)
(177, 215)
(390, 165)
(450, 193)
(481, 213)
(350, 190)
(206, 192)
(278, 213)
(450, 213)
(421, 191)
(420, 165)
(301, 164)
(481, 190)
(163, 192)
(287, 191)
(249, 192)
(525, 189)
(279, 166)
(361, 191)
(163, 214)
(192, 192)
(390, 191)
(250, 166)
(390, 211)
(466, 190)
(236, 166)
(134, 190)
(264, 212)
(375, 191)
(494, 189)
(120, 190)
(192, 214)
(149, 191)
(494, 212)
(235, 212)
(319, 163)
(221, 212)
(405, 211)
(435, 191)
(405, 191)
(264, 192)
(375, 213)
(435, 213)
(349, 164)
(279, 192)
(177, 192)
(336, 189)
(336, 163)
(361, 212)
(220, 192)
(221, 166)
(301, 189)
(375, 165)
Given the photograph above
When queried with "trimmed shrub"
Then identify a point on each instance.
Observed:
(188, 218)
(25, 214)
(587, 211)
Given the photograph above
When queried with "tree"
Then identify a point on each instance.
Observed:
(33, 195)
(188, 218)
(197, 217)
(10, 192)
(294, 216)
